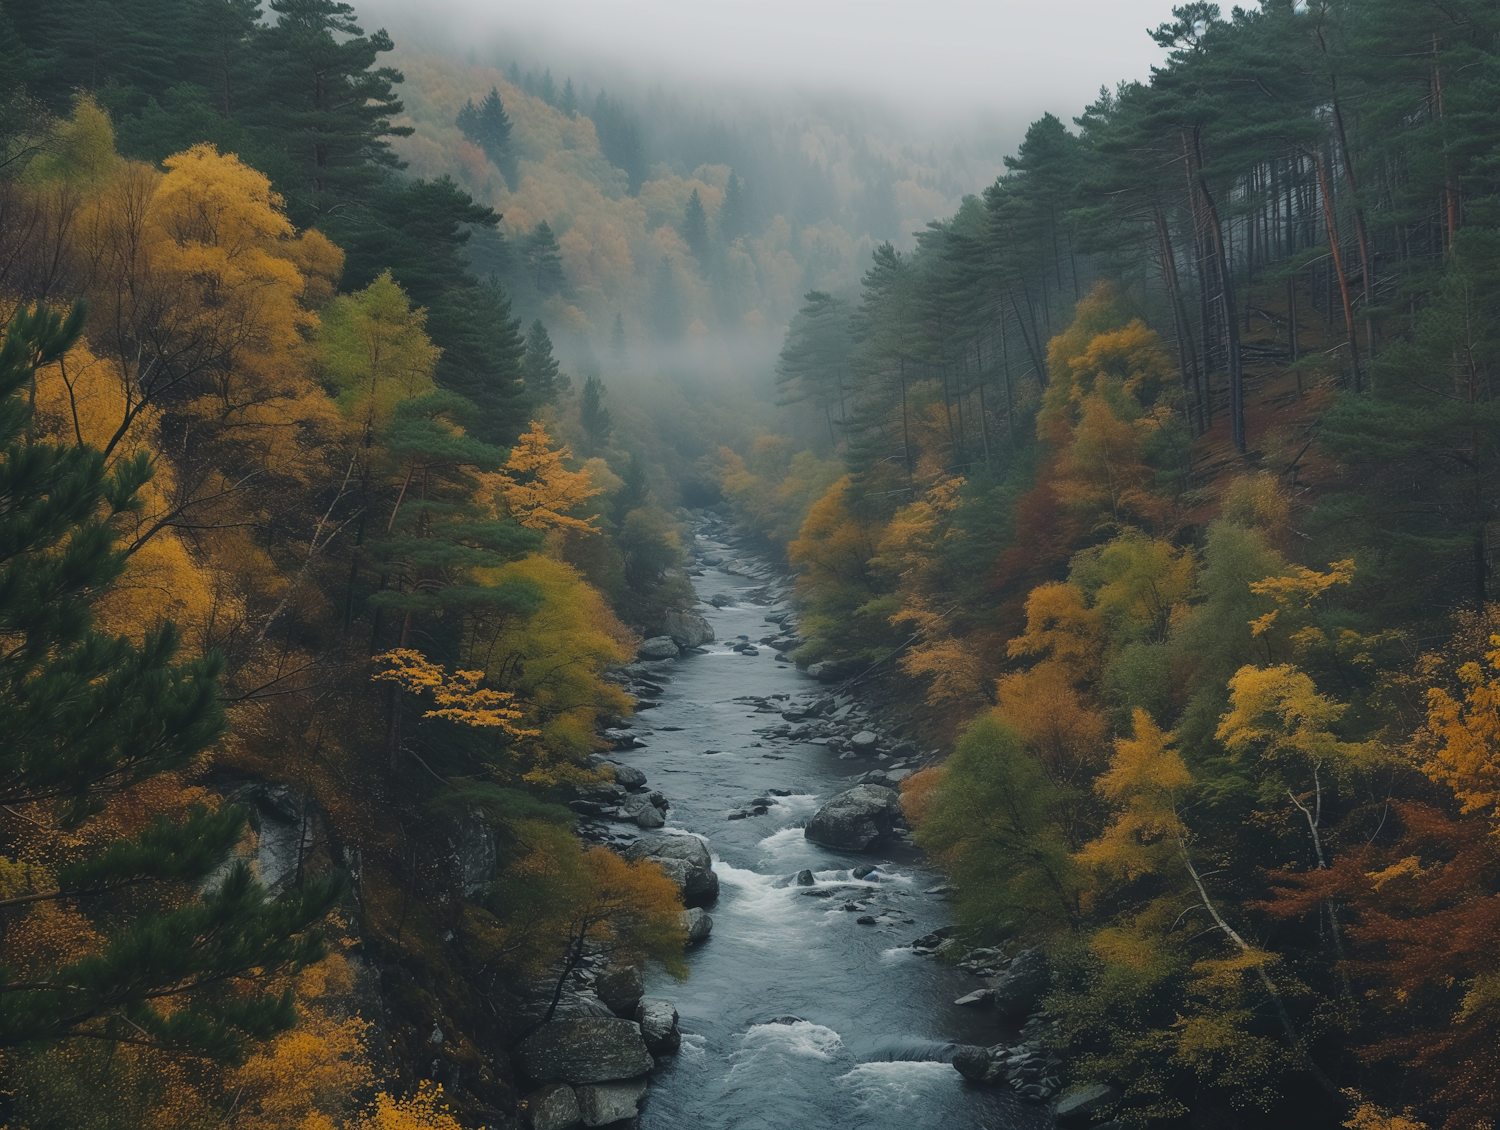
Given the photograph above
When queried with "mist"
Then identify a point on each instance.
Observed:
(954, 67)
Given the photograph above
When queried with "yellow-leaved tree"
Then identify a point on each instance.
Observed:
(536, 488)
(1460, 745)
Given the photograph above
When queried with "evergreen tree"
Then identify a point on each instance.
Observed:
(543, 261)
(321, 110)
(567, 101)
(734, 213)
(620, 139)
(814, 362)
(594, 416)
(546, 89)
(618, 352)
(88, 715)
(488, 126)
(543, 381)
(695, 227)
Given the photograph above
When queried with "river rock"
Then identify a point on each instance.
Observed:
(719, 600)
(1017, 990)
(628, 776)
(554, 1107)
(659, 1027)
(649, 816)
(805, 878)
(864, 741)
(698, 925)
(978, 998)
(1081, 1107)
(687, 629)
(658, 647)
(603, 1103)
(685, 860)
(587, 1050)
(973, 1063)
(621, 987)
(855, 820)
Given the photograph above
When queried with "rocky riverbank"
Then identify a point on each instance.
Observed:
(590, 1064)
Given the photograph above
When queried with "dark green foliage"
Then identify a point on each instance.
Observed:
(543, 262)
(544, 383)
(814, 363)
(999, 834)
(87, 715)
(488, 126)
(597, 425)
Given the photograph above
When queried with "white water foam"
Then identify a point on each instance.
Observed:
(886, 1085)
(693, 1046)
(779, 845)
(801, 1040)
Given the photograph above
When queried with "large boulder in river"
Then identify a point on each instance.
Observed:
(697, 925)
(659, 1027)
(856, 820)
(603, 1104)
(1083, 1106)
(685, 860)
(657, 647)
(588, 1050)
(687, 629)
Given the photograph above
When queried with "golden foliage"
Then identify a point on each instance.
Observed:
(424, 1110)
(458, 696)
(1144, 781)
(536, 488)
(1367, 1116)
(1460, 744)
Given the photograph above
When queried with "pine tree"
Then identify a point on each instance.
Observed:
(543, 260)
(321, 110)
(734, 213)
(88, 715)
(546, 88)
(594, 416)
(814, 363)
(695, 227)
(567, 101)
(543, 381)
(618, 350)
(488, 126)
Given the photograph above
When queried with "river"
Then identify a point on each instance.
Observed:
(874, 1021)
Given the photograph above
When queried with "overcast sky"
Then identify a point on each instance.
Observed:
(955, 57)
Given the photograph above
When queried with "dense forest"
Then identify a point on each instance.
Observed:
(1165, 470)
(350, 398)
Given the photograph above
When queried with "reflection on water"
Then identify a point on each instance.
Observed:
(795, 1015)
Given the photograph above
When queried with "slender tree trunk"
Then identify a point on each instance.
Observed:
(1227, 301)
(1331, 221)
(1179, 318)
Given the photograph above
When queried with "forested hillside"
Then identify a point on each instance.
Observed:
(351, 396)
(1163, 475)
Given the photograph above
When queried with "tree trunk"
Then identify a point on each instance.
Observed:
(1331, 222)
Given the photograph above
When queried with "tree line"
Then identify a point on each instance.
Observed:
(1161, 478)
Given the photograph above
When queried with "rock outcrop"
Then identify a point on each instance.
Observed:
(587, 1050)
(687, 629)
(658, 647)
(685, 860)
(855, 820)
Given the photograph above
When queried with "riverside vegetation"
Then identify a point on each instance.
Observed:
(1158, 481)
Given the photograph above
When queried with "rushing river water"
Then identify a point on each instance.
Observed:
(870, 1046)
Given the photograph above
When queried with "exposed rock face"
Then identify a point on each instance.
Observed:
(687, 629)
(603, 1103)
(621, 987)
(698, 925)
(1024, 982)
(856, 820)
(588, 1050)
(659, 1027)
(554, 1107)
(1081, 1107)
(658, 647)
(685, 860)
